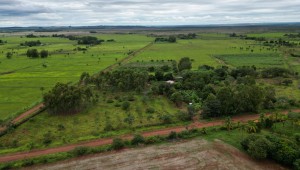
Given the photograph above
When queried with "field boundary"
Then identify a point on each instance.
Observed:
(106, 141)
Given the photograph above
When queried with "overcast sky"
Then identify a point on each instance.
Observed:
(145, 12)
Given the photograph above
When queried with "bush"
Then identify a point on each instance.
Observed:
(297, 137)
(259, 148)
(137, 139)
(250, 138)
(118, 143)
(126, 105)
(80, 150)
(150, 110)
(172, 135)
(153, 139)
(297, 164)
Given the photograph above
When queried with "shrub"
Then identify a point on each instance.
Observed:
(172, 135)
(80, 150)
(250, 138)
(297, 137)
(259, 148)
(118, 143)
(153, 139)
(137, 139)
(109, 101)
(47, 138)
(150, 110)
(126, 105)
(297, 164)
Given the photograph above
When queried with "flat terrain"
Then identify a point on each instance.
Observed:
(194, 154)
(24, 80)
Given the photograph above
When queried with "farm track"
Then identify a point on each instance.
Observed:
(100, 142)
(38, 107)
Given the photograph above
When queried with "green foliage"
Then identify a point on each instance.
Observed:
(31, 43)
(47, 139)
(9, 55)
(172, 135)
(275, 72)
(32, 53)
(122, 79)
(64, 98)
(184, 64)
(81, 150)
(259, 148)
(297, 164)
(44, 54)
(137, 139)
(126, 105)
(89, 40)
(118, 143)
(154, 139)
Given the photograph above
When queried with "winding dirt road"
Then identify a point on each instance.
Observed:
(105, 141)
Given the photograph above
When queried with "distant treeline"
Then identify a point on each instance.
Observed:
(31, 43)
(2, 42)
(278, 42)
(86, 40)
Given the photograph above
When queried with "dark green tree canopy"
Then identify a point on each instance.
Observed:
(184, 64)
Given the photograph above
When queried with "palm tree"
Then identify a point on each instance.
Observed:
(251, 127)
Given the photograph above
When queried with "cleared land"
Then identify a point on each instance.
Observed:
(195, 154)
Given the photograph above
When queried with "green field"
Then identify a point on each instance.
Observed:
(20, 88)
(204, 49)
(259, 60)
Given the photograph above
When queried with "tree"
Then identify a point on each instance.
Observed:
(9, 55)
(226, 97)
(211, 107)
(64, 98)
(228, 124)
(177, 98)
(32, 53)
(44, 54)
(259, 148)
(184, 64)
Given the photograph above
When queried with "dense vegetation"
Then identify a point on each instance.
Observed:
(64, 99)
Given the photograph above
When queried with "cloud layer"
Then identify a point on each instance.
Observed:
(145, 12)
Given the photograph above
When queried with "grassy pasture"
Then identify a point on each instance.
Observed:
(21, 88)
(202, 50)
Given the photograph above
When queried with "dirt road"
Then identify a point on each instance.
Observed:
(100, 142)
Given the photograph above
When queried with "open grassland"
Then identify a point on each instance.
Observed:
(106, 118)
(23, 80)
(204, 49)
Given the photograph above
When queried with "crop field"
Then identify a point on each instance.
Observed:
(259, 60)
(23, 80)
(204, 49)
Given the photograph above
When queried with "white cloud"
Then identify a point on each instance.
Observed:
(145, 12)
